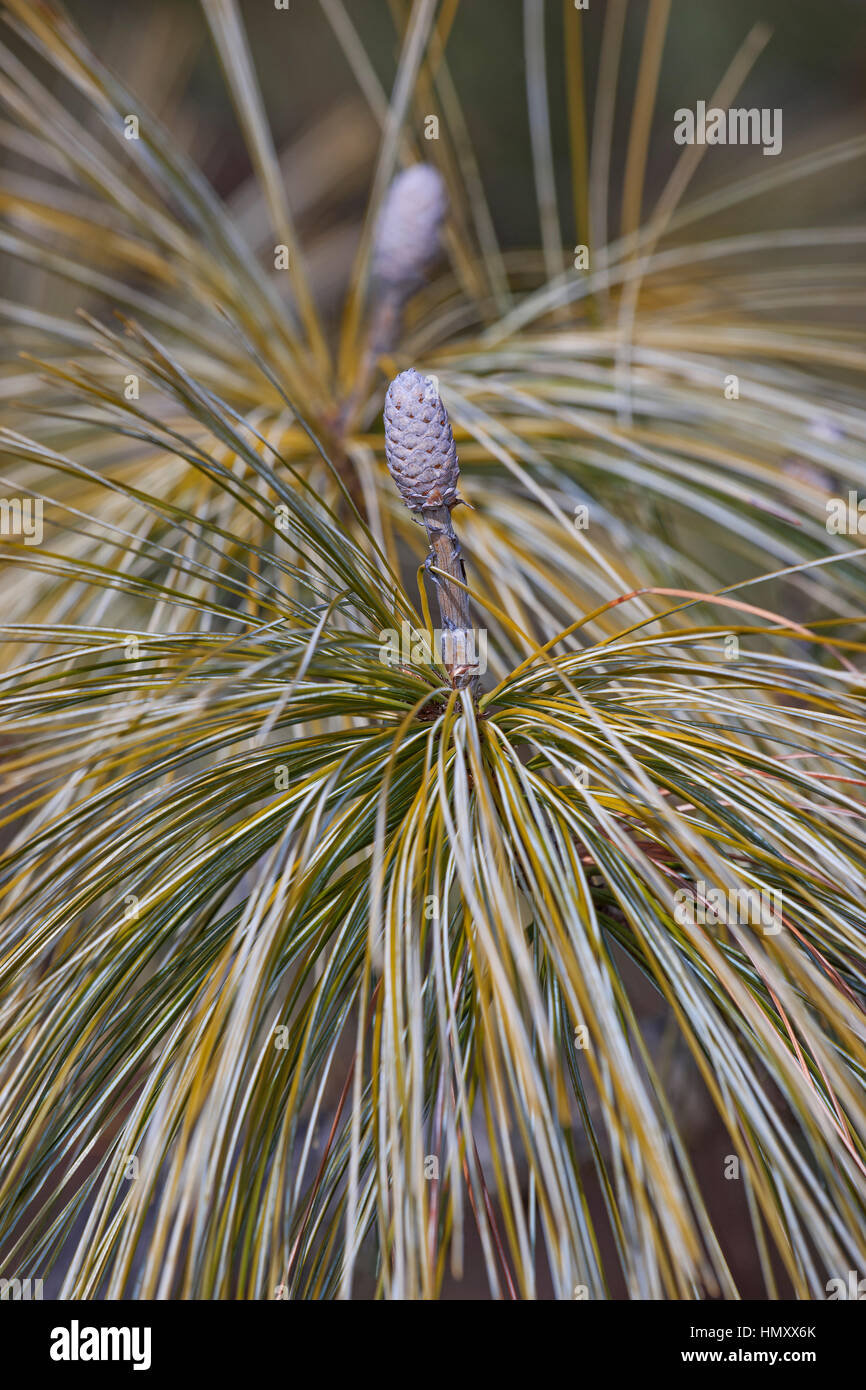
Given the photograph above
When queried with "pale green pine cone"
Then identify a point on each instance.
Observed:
(419, 444)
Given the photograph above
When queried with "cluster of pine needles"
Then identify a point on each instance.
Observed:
(318, 971)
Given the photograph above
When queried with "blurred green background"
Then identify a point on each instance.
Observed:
(812, 68)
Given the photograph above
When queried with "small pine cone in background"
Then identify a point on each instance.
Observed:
(408, 234)
(419, 444)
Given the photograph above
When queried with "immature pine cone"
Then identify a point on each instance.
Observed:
(407, 237)
(419, 445)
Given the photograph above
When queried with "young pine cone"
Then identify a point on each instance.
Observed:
(407, 237)
(419, 445)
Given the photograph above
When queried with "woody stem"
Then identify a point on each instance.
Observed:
(453, 601)
(381, 336)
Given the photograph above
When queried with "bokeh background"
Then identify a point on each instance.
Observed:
(812, 68)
